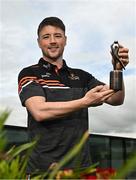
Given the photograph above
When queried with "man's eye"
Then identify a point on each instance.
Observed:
(58, 36)
(45, 37)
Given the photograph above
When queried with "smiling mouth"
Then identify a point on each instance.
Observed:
(53, 49)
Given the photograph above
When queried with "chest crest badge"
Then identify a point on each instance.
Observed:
(74, 77)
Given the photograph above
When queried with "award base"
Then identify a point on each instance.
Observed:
(116, 78)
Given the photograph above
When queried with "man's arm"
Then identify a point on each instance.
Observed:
(42, 110)
(117, 98)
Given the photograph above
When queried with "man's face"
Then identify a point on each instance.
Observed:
(52, 41)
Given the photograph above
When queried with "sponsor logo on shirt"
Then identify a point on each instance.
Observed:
(46, 75)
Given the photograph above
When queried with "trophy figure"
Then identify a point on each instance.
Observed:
(116, 76)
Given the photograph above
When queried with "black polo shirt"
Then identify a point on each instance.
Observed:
(57, 136)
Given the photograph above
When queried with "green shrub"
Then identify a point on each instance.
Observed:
(12, 163)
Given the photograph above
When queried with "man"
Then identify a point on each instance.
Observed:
(57, 98)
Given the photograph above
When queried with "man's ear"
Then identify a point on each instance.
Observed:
(65, 40)
(38, 41)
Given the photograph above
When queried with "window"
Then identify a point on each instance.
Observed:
(117, 152)
(100, 150)
(130, 149)
(16, 135)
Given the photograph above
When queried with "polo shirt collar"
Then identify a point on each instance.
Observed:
(48, 66)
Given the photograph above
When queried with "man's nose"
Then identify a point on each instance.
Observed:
(52, 39)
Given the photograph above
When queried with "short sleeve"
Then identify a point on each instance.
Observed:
(93, 82)
(28, 85)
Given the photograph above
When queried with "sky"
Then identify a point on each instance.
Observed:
(91, 27)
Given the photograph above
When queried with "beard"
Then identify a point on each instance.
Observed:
(53, 57)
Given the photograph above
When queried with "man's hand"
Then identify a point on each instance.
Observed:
(124, 57)
(97, 96)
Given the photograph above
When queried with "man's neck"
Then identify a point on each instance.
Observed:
(57, 62)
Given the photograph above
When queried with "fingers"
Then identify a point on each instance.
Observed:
(123, 55)
(124, 61)
(103, 89)
(123, 52)
(123, 49)
(97, 88)
(103, 94)
(97, 95)
(106, 94)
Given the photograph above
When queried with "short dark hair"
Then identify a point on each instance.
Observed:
(52, 21)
